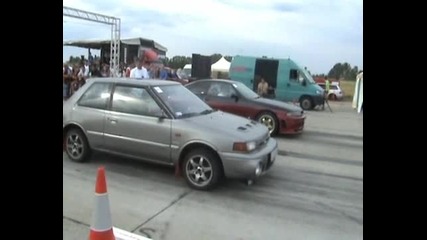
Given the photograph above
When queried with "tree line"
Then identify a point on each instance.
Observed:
(338, 71)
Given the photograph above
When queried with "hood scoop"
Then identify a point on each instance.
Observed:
(248, 125)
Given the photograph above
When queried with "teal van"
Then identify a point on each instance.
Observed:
(288, 80)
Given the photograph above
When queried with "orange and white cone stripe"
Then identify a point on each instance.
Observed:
(102, 226)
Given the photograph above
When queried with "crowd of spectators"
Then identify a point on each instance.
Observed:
(76, 75)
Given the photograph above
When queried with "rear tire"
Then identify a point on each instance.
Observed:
(202, 169)
(77, 146)
(332, 97)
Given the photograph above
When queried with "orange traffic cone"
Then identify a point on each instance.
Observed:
(102, 226)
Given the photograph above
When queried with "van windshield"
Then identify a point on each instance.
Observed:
(308, 76)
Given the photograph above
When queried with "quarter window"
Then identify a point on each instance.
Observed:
(96, 96)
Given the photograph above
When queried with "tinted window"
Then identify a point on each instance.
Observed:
(199, 88)
(220, 89)
(96, 96)
(333, 87)
(134, 100)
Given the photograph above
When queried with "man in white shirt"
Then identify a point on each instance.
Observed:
(139, 71)
(86, 69)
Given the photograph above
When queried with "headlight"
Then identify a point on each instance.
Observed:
(244, 146)
(319, 92)
(258, 170)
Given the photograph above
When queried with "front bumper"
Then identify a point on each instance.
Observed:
(318, 100)
(292, 125)
(243, 165)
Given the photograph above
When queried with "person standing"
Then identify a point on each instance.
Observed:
(163, 73)
(262, 88)
(326, 93)
(327, 85)
(139, 71)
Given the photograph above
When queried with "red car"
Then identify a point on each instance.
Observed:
(234, 97)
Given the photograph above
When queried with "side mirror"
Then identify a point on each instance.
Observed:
(235, 97)
(161, 115)
(304, 82)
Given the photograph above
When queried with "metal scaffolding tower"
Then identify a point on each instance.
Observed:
(115, 33)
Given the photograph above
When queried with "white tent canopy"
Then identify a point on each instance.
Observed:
(222, 65)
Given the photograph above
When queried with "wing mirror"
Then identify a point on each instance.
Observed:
(304, 82)
(161, 115)
(235, 97)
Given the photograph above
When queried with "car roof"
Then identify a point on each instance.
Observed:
(141, 82)
(214, 80)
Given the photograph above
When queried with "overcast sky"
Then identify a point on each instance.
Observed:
(316, 34)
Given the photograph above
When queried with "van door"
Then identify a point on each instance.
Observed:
(294, 87)
(242, 70)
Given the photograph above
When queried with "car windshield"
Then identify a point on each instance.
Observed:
(245, 91)
(181, 101)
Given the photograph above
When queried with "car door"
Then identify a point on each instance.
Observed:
(219, 96)
(134, 126)
(90, 112)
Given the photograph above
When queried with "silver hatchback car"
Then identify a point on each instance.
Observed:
(163, 122)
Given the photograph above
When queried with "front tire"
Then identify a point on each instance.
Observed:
(202, 169)
(77, 146)
(270, 121)
(306, 103)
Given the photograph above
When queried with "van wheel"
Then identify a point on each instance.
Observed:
(270, 121)
(306, 103)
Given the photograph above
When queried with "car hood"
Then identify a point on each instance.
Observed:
(279, 104)
(225, 123)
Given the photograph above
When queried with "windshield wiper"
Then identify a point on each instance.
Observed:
(207, 111)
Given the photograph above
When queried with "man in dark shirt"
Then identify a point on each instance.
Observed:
(94, 71)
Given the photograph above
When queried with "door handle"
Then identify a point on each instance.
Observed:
(112, 120)
(288, 84)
